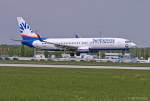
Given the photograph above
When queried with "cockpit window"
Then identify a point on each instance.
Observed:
(128, 41)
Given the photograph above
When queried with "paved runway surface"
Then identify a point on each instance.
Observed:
(73, 66)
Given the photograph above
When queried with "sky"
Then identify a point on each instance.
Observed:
(88, 18)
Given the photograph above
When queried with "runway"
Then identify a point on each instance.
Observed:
(73, 66)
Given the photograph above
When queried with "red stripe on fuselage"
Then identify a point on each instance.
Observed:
(28, 35)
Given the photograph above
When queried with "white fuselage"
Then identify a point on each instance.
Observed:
(85, 44)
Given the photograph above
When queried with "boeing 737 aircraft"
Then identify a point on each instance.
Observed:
(76, 45)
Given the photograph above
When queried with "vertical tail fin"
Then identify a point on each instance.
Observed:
(25, 29)
(23, 26)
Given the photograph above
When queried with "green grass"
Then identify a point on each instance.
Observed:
(78, 63)
(51, 84)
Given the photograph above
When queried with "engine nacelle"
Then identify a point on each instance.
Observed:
(83, 49)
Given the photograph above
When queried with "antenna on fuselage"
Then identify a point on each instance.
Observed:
(77, 36)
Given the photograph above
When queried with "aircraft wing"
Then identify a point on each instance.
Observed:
(62, 46)
(58, 45)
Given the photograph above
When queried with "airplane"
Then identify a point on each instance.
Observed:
(75, 45)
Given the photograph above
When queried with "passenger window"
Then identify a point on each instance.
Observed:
(127, 41)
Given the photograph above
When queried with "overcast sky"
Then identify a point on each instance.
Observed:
(89, 18)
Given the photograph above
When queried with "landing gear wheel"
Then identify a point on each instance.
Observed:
(77, 54)
(71, 54)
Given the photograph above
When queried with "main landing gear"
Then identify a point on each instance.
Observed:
(72, 54)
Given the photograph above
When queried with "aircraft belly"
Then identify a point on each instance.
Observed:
(51, 47)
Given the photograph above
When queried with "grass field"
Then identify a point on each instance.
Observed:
(78, 63)
(51, 84)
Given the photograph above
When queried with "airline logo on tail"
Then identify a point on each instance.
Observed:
(23, 25)
(25, 29)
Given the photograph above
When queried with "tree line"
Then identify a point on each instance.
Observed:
(16, 50)
(21, 50)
